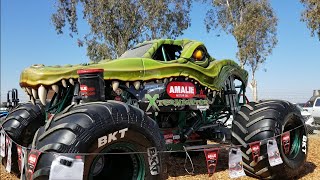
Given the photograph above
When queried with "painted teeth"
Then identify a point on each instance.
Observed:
(214, 93)
(55, 88)
(42, 94)
(186, 78)
(171, 79)
(165, 80)
(35, 94)
(25, 90)
(64, 83)
(115, 85)
(29, 91)
(127, 84)
(195, 82)
(71, 82)
(32, 100)
(136, 85)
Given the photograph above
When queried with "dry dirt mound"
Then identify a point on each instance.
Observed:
(176, 170)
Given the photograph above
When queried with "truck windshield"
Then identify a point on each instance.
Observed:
(136, 52)
(317, 104)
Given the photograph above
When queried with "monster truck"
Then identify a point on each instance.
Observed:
(166, 94)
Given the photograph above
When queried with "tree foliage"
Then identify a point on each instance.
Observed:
(311, 15)
(116, 25)
(252, 23)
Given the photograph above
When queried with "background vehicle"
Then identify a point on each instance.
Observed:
(313, 106)
(12, 102)
(3, 113)
(166, 94)
(309, 120)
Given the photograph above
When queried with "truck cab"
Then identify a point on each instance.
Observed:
(313, 107)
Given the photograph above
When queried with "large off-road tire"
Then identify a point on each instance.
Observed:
(85, 128)
(21, 124)
(266, 119)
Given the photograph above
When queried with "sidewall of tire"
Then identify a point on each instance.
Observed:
(133, 136)
(297, 163)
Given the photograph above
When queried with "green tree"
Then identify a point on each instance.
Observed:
(253, 24)
(116, 25)
(311, 15)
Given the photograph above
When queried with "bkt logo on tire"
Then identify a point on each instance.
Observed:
(112, 137)
(304, 144)
(154, 162)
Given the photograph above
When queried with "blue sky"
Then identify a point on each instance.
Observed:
(28, 37)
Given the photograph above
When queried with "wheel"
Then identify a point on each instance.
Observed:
(266, 119)
(21, 124)
(102, 127)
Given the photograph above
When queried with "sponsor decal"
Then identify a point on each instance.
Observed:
(155, 103)
(87, 91)
(273, 153)
(23, 154)
(112, 137)
(170, 138)
(212, 159)
(153, 159)
(235, 163)
(285, 137)
(304, 144)
(255, 149)
(2, 143)
(181, 90)
(19, 150)
(32, 163)
(152, 102)
(9, 153)
(83, 88)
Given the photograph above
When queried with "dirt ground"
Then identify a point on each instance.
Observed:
(176, 170)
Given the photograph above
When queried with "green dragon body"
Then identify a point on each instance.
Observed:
(210, 73)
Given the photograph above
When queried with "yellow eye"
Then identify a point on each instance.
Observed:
(198, 55)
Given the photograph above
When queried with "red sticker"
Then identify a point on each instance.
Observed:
(285, 137)
(181, 90)
(83, 88)
(87, 91)
(168, 138)
(212, 159)
(255, 149)
(19, 149)
(32, 162)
